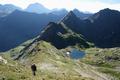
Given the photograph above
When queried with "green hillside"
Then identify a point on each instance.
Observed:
(51, 63)
(105, 60)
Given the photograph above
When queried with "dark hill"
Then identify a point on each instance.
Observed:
(61, 36)
(102, 28)
(106, 23)
(72, 21)
(76, 24)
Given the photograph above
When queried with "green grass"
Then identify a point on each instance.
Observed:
(111, 72)
(59, 67)
(42, 54)
(98, 57)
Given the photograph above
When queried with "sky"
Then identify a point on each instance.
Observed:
(82, 5)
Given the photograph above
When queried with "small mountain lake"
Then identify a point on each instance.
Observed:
(76, 54)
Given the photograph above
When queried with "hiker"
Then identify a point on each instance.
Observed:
(34, 69)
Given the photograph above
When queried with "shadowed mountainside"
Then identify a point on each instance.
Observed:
(106, 23)
(24, 26)
(20, 26)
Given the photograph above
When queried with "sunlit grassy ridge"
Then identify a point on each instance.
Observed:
(51, 63)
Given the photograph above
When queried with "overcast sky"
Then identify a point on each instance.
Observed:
(82, 5)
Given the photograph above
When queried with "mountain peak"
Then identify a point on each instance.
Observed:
(71, 13)
(36, 4)
(80, 14)
(105, 14)
(59, 12)
(105, 10)
(70, 16)
(75, 10)
(37, 8)
(50, 25)
(61, 36)
(108, 11)
(9, 8)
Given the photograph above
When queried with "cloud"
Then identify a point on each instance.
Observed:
(96, 6)
(83, 5)
(111, 1)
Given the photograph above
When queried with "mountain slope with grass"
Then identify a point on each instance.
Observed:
(105, 60)
(52, 64)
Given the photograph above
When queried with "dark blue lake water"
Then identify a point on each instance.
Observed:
(76, 54)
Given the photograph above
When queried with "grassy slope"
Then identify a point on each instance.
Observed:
(12, 70)
(106, 60)
(51, 65)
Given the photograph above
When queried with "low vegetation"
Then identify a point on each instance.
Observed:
(105, 60)
(51, 63)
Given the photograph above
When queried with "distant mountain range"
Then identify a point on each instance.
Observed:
(20, 26)
(37, 8)
(17, 25)
(7, 9)
(101, 28)
(81, 15)
(59, 12)
(105, 27)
